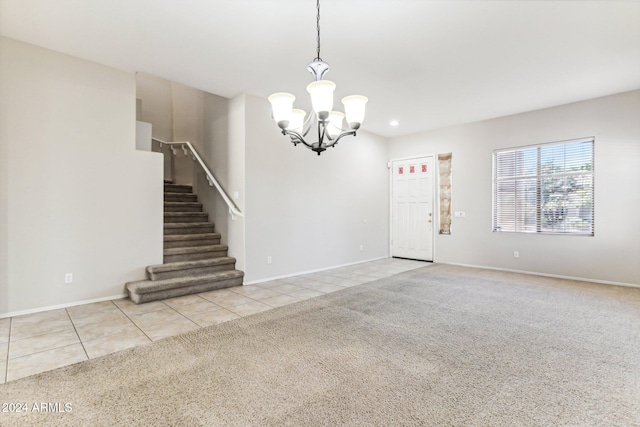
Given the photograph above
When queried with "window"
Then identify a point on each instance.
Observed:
(545, 188)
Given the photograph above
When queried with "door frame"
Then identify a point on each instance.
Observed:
(435, 202)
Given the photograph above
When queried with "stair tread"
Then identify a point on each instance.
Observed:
(179, 204)
(175, 228)
(186, 214)
(195, 249)
(177, 193)
(147, 286)
(182, 207)
(201, 236)
(183, 265)
(172, 193)
(187, 224)
(180, 197)
(196, 262)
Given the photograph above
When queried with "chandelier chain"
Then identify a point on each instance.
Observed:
(318, 28)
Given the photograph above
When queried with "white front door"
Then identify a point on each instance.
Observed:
(412, 217)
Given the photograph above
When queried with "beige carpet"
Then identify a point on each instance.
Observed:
(438, 346)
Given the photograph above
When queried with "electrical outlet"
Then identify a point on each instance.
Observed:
(516, 254)
(68, 278)
(361, 248)
(269, 260)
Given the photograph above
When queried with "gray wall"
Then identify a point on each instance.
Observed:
(75, 195)
(611, 255)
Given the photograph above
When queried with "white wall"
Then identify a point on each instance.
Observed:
(154, 105)
(143, 136)
(4, 185)
(201, 118)
(236, 158)
(155, 96)
(311, 212)
(75, 195)
(611, 255)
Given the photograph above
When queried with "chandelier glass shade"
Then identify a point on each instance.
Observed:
(329, 123)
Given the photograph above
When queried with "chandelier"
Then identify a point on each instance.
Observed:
(297, 123)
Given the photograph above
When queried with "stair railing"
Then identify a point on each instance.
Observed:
(187, 148)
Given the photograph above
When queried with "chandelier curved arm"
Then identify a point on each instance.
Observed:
(343, 132)
(296, 138)
(335, 140)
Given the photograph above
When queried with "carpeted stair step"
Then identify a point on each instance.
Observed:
(194, 253)
(182, 207)
(177, 188)
(180, 197)
(202, 267)
(186, 217)
(149, 290)
(173, 228)
(189, 240)
(194, 260)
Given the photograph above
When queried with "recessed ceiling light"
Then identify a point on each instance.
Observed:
(394, 123)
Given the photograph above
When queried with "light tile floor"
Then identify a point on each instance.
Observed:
(39, 342)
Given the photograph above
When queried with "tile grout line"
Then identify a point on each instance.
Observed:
(77, 334)
(37, 352)
(242, 295)
(220, 307)
(115, 333)
(227, 308)
(134, 323)
(260, 300)
(307, 289)
(6, 365)
(199, 327)
(203, 312)
(212, 302)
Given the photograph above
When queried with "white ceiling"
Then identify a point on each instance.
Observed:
(427, 64)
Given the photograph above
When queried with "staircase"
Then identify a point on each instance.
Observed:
(194, 259)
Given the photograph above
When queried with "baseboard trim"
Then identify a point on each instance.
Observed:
(254, 282)
(557, 276)
(56, 307)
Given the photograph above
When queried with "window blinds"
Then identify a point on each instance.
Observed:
(545, 188)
